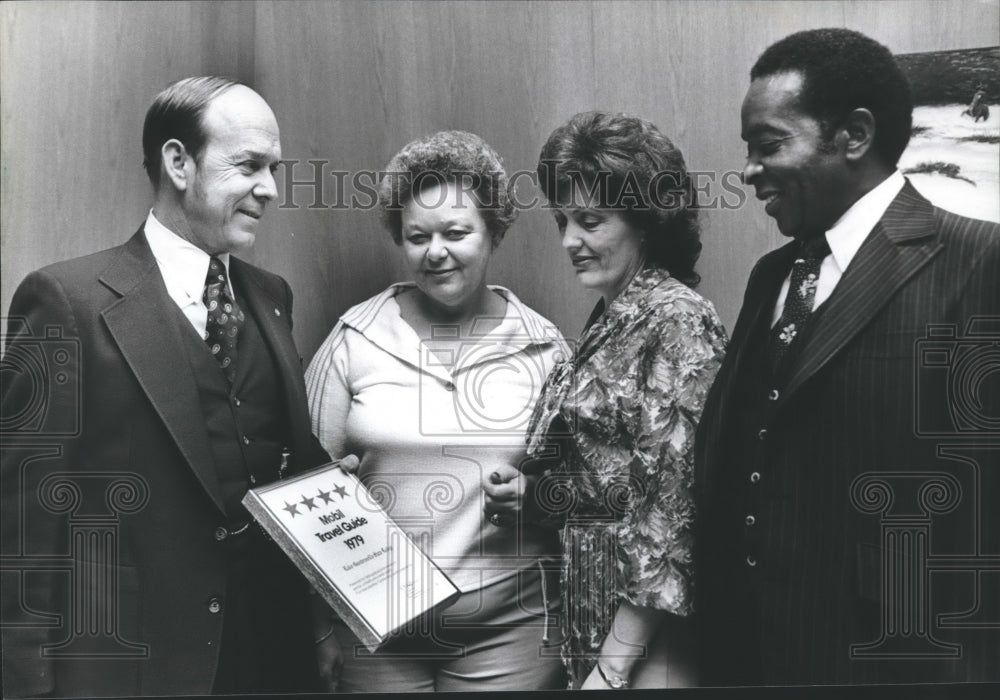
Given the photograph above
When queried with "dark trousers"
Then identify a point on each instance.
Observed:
(267, 637)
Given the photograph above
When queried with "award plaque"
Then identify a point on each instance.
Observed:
(352, 553)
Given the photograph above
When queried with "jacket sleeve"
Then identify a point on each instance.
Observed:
(314, 454)
(41, 418)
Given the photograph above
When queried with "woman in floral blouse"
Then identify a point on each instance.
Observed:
(623, 409)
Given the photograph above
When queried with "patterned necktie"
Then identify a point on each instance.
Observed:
(801, 294)
(225, 318)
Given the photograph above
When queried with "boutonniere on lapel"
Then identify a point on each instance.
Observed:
(787, 334)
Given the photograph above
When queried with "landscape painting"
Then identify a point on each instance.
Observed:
(954, 153)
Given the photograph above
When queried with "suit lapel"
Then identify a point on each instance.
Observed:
(138, 323)
(274, 323)
(758, 303)
(899, 245)
(762, 293)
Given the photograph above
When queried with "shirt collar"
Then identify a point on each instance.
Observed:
(850, 230)
(184, 266)
(636, 290)
(379, 320)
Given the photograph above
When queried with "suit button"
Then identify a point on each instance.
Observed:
(221, 533)
(237, 401)
(751, 562)
(762, 433)
(449, 386)
(755, 477)
(215, 605)
(750, 520)
(246, 440)
(773, 395)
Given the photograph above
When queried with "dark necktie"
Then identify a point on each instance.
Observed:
(225, 318)
(799, 302)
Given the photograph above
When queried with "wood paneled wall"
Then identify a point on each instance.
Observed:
(352, 82)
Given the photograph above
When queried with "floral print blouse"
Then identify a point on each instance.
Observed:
(622, 412)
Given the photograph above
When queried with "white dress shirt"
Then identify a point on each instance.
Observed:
(184, 267)
(845, 238)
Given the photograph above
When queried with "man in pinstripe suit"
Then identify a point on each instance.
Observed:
(840, 538)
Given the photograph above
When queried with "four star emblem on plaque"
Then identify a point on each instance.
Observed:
(309, 502)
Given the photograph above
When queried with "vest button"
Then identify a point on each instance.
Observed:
(246, 440)
(755, 477)
(221, 533)
(215, 605)
(750, 520)
(751, 562)
(449, 386)
(762, 433)
(237, 401)
(773, 395)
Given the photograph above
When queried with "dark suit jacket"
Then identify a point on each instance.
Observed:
(119, 403)
(869, 393)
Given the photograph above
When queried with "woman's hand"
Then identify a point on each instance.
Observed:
(505, 489)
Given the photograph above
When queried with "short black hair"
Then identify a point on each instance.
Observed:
(843, 70)
(448, 156)
(631, 166)
(176, 113)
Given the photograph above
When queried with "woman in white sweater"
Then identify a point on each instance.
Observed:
(431, 384)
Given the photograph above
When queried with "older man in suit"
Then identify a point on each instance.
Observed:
(844, 534)
(181, 388)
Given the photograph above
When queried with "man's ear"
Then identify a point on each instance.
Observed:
(860, 130)
(177, 164)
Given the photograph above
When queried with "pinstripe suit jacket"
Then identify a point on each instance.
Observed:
(867, 394)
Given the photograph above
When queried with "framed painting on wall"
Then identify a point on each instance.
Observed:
(953, 157)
